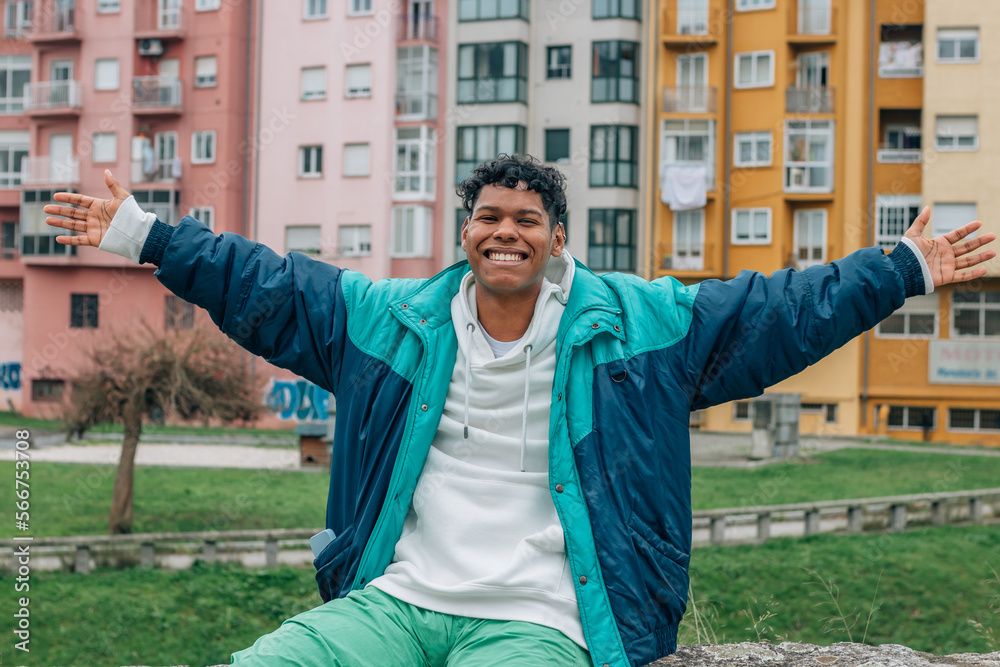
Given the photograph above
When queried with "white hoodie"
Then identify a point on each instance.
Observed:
(482, 537)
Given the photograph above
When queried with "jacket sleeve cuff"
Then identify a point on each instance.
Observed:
(912, 267)
(156, 243)
(128, 231)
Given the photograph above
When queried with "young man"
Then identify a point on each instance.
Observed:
(511, 468)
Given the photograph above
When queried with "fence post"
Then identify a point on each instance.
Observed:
(271, 547)
(939, 513)
(854, 516)
(146, 555)
(812, 522)
(83, 559)
(976, 509)
(208, 553)
(763, 526)
(897, 517)
(718, 530)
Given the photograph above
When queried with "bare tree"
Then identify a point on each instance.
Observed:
(133, 374)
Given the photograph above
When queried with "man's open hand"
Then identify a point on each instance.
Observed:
(949, 260)
(88, 215)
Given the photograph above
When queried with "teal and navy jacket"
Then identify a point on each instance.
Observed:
(634, 358)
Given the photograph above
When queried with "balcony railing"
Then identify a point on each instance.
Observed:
(154, 18)
(155, 92)
(52, 95)
(899, 155)
(54, 19)
(46, 171)
(812, 22)
(418, 26)
(692, 99)
(684, 256)
(691, 24)
(416, 106)
(814, 99)
(709, 170)
(155, 171)
(901, 60)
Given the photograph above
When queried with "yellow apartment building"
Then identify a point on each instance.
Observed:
(813, 113)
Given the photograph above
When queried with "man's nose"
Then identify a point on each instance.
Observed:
(507, 229)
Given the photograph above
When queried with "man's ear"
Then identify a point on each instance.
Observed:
(465, 233)
(559, 240)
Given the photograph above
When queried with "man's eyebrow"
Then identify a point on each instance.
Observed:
(523, 211)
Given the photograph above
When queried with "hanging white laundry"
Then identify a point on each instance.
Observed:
(683, 188)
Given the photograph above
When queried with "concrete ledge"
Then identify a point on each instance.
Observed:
(842, 654)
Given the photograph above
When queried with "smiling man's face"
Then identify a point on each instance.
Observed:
(508, 241)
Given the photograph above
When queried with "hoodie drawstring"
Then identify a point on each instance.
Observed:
(524, 417)
(468, 375)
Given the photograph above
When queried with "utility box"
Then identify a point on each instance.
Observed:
(775, 426)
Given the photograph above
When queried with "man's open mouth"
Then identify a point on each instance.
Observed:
(509, 256)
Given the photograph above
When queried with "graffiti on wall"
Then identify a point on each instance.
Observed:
(10, 375)
(298, 399)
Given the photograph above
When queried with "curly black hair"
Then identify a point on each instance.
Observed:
(508, 171)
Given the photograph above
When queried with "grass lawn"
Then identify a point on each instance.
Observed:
(925, 600)
(69, 499)
(845, 473)
(9, 419)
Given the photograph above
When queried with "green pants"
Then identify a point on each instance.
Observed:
(369, 627)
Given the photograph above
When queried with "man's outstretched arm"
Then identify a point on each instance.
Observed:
(289, 310)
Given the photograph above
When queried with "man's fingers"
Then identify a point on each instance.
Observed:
(957, 235)
(972, 274)
(114, 186)
(73, 240)
(966, 262)
(74, 198)
(917, 228)
(972, 244)
(66, 211)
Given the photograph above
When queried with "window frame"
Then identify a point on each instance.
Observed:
(93, 145)
(751, 239)
(691, 261)
(316, 16)
(84, 311)
(977, 419)
(353, 8)
(802, 264)
(907, 424)
(312, 252)
(420, 235)
(558, 50)
(481, 53)
(48, 397)
(357, 249)
(616, 13)
(10, 65)
(178, 314)
(742, 5)
(982, 306)
(754, 137)
(809, 130)
(479, 152)
(754, 56)
(112, 6)
(310, 161)
(957, 35)
(632, 246)
(613, 166)
(358, 93)
(118, 73)
(310, 95)
(204, 215)
(214, 82)
(682, 139)
(884, 203)
(569, 145)
(207, 5)
(212, 145)
(368, 154)
(426, 176)
(523, 12)
(924, 304)
(956, 147)
(737, 418)
(614, 62)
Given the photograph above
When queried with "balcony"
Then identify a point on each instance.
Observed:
(691, 27)
(55, 22)
(814, 99)
(899, 155)
(149, 172)
(811, 25)
(53, 98)
(156, 95)
(684, 257)
(46, 171)
(416, 106)
(689, 99)
(418, 27)
(158, 19)
(901, 60)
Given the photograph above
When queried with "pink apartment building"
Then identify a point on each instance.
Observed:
(155, 90)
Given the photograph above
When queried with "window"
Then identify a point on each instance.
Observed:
(612, 240)
(751, 226)
(560, 60)
(105, 148)
(357, 77)
(106, 74)
(313, 80)
(83, 311)
(689, 143)
(752, 149)
(830, 414)
(810, 237)
(206, 5)
(165, 204)
(917, 318)
(38, 238)
(13, 151)
(557, 145)
(478, 143)
(911, 418)
(486, 10)
(619, 9)
(975, 314)
(742, 411)
(17, 18)
(203, 147)
(8, 240)
(460, 215)
(303, 238)
(357, 160)
(754, 69)
(355, 240)
(689, 242)
(692, 17)
(949, 217)
(314, 9)
(177, 313)
(614, 156)
(416, 82)
(957, 133)
(411, 231)
(415, 163)
(749, 5)
(495, 72)
(957, 45)
(47, 390)
(205, 71)
(357, 7)
(310, 161)
(968, 419)
(616, 72)
(205, 215)
(15, 72)
(901, 142)
(809, 156)
(893, 216)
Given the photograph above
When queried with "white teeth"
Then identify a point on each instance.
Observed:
(504, 257)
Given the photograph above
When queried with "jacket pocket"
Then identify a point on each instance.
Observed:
(331, 565)
(665, 571)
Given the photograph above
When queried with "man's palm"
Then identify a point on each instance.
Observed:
(88, 216)
(948, 262)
